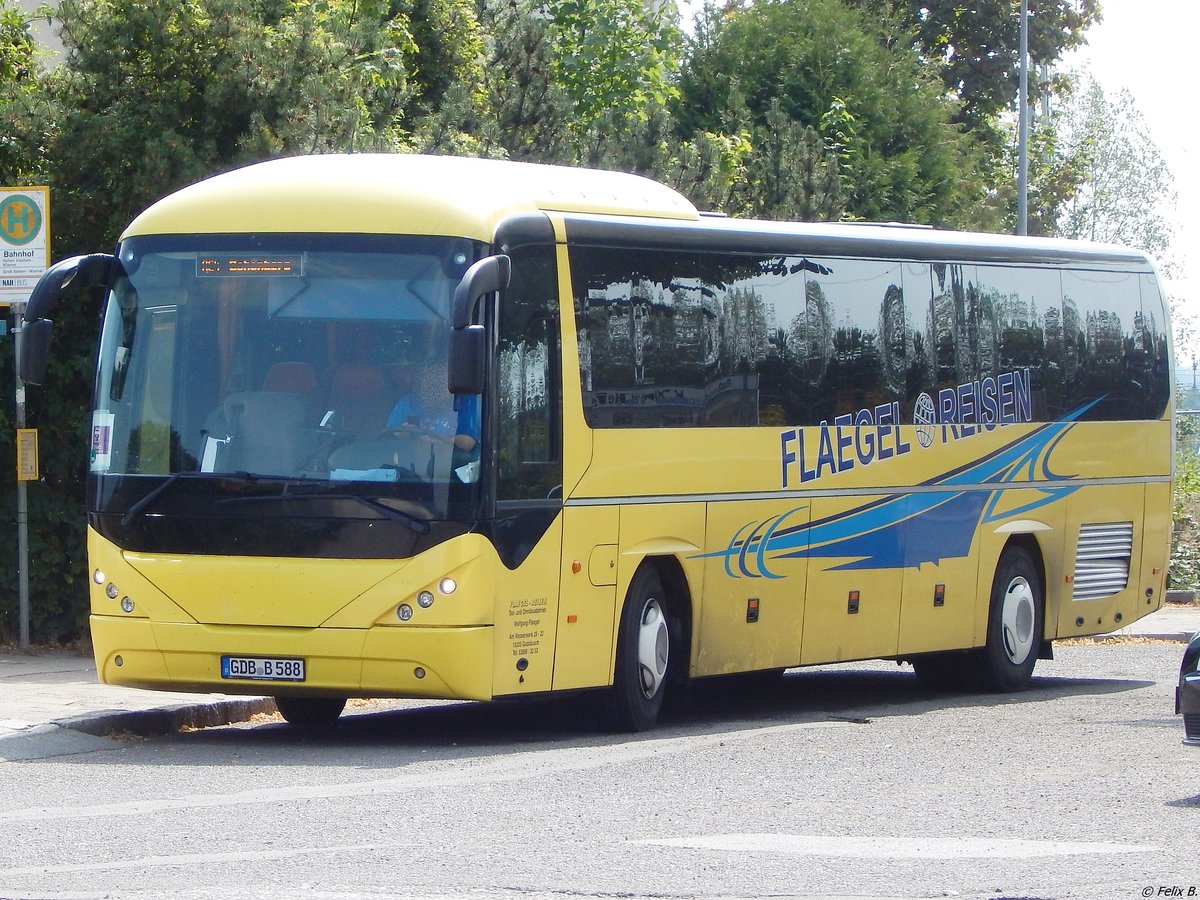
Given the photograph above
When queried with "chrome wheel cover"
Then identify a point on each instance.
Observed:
(1016, 621)
(653, 649)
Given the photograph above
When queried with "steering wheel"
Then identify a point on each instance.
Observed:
(413, 431)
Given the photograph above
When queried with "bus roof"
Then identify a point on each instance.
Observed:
(846, 239)
(471, 198)
(399, 193)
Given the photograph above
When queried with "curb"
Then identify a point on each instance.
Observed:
(1175, 637)
(168, 719)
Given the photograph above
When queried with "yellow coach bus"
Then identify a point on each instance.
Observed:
(401, 426)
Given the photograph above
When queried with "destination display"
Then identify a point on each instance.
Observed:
(249, 266)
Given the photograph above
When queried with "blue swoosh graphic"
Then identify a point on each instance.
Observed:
(907, 530)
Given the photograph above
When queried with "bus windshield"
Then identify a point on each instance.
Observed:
(289, 359)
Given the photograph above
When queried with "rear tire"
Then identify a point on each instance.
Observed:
(310, 712)
(1015, 617)
(1014, 635)
(643, 655)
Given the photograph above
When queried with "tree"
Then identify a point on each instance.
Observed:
(568, 80)
(154, 96)
(975, 46)
(1127, 195)
(20, 150)
(530, 110)
(55, 522)
(612, 57)
(796, 171)
(885, 124)
(151, 97)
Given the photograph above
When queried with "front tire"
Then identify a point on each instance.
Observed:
(313, 713)
(643, 655)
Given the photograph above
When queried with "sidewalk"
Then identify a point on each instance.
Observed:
(1175, 622)
(49, 691)
(55, 695)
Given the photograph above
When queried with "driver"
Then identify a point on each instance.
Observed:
(407, 410)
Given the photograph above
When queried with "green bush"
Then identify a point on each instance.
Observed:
(1184, 570)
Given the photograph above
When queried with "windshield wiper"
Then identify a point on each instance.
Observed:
(138, 508)
(420, 526)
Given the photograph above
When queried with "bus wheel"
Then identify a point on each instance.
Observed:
(310, 712)
(643, 655)
(1015, 617)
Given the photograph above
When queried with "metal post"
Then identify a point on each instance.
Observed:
(22, 493)
(1023, 127)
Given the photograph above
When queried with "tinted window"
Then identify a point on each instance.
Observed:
(735, 339)
(528, 389)
(1106, 338)
(1013, 328)
(945, 325)
(647, 333)
(859, 305)
(1157, 344)
(704, 339)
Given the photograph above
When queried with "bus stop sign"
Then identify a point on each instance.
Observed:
(24, 241)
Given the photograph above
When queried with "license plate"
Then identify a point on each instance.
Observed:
(262, 668)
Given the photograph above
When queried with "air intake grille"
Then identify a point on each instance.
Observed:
(1102, 560)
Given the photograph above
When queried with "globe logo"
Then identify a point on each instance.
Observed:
(925, 417)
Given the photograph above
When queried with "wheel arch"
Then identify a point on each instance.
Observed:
(678, 598)
(1030, 543)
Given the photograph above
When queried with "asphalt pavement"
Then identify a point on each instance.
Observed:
(51, 691)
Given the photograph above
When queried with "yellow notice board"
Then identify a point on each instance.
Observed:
(24, 240)
(27, 454)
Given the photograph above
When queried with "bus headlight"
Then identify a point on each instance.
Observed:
(404, 612)
(425, 599)
(447, 586)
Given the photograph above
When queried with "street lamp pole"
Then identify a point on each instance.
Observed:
(1023, 127)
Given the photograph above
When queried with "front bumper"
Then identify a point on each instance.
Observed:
(381, 661)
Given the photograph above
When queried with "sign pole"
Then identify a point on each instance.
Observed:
(25, 246)
(22, 493)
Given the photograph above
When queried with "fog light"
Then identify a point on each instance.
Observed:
(127, 604)
(98, 577)
(113, 591)
(404, 612)
(424, 599)
(447, 586)
(419, 672)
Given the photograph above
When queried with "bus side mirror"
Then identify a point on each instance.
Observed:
(467, 356)
(92, 271)
(34, 358)
(484, 277)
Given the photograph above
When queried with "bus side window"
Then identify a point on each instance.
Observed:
(529, 404)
